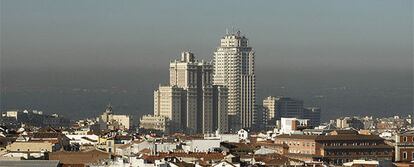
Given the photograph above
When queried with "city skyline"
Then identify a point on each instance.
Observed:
(233, 83)
(348, 54)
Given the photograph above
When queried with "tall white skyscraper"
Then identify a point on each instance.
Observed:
(234, 68)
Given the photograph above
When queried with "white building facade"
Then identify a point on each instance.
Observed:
(234, 63)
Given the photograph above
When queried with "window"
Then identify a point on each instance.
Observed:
(404, 155)
(405, 139)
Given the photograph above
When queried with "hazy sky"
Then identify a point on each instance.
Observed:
(75, 56)
(145, 34)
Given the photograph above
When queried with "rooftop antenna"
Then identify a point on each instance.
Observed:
(227, 31)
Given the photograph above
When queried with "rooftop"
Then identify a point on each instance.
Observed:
(331, 137)
(29, 163)
(83, 157)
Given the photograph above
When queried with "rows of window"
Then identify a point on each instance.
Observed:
(405, 139)
(350, 144)
(347, 153)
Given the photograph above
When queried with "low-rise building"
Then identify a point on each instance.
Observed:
(292, 125)
(110, 121)
(365, 163)
(29, 150)
(32, 118)
(59, 140)
(154, 122)
(336, 148)
(83, 158)
(32, 147)
(349, 122)
(201, 145)
(243, 134)
(404, 147)
(231, 138)
(29, 163)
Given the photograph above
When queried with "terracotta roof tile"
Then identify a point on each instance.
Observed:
(91, 156)
(331, 137)
(204, 156)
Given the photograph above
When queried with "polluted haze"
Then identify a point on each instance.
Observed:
(74, 57)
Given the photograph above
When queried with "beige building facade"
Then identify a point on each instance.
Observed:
(32, 146)
(108, 120)
(169, 102)
(191, 102)
(234, 62)
(154, 122)
(270, 105)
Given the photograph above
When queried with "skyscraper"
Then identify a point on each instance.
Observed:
(196, 78)
(234, 68)
(191, 102)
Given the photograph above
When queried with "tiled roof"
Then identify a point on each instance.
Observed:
(91, 156)
(121, 137)
(349, 137)
(331, 137)
(46, 135)
(125, 146)
(270, 144)
(406, 133)
(273, 159)
(145, 151)
(341, 132)
(296, 136)
(205, 156)
(383, 146)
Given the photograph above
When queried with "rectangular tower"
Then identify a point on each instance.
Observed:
(234, 68)
(195, 77)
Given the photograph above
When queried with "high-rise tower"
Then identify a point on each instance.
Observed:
(196, 78)
(191, 102)
(234, 68)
